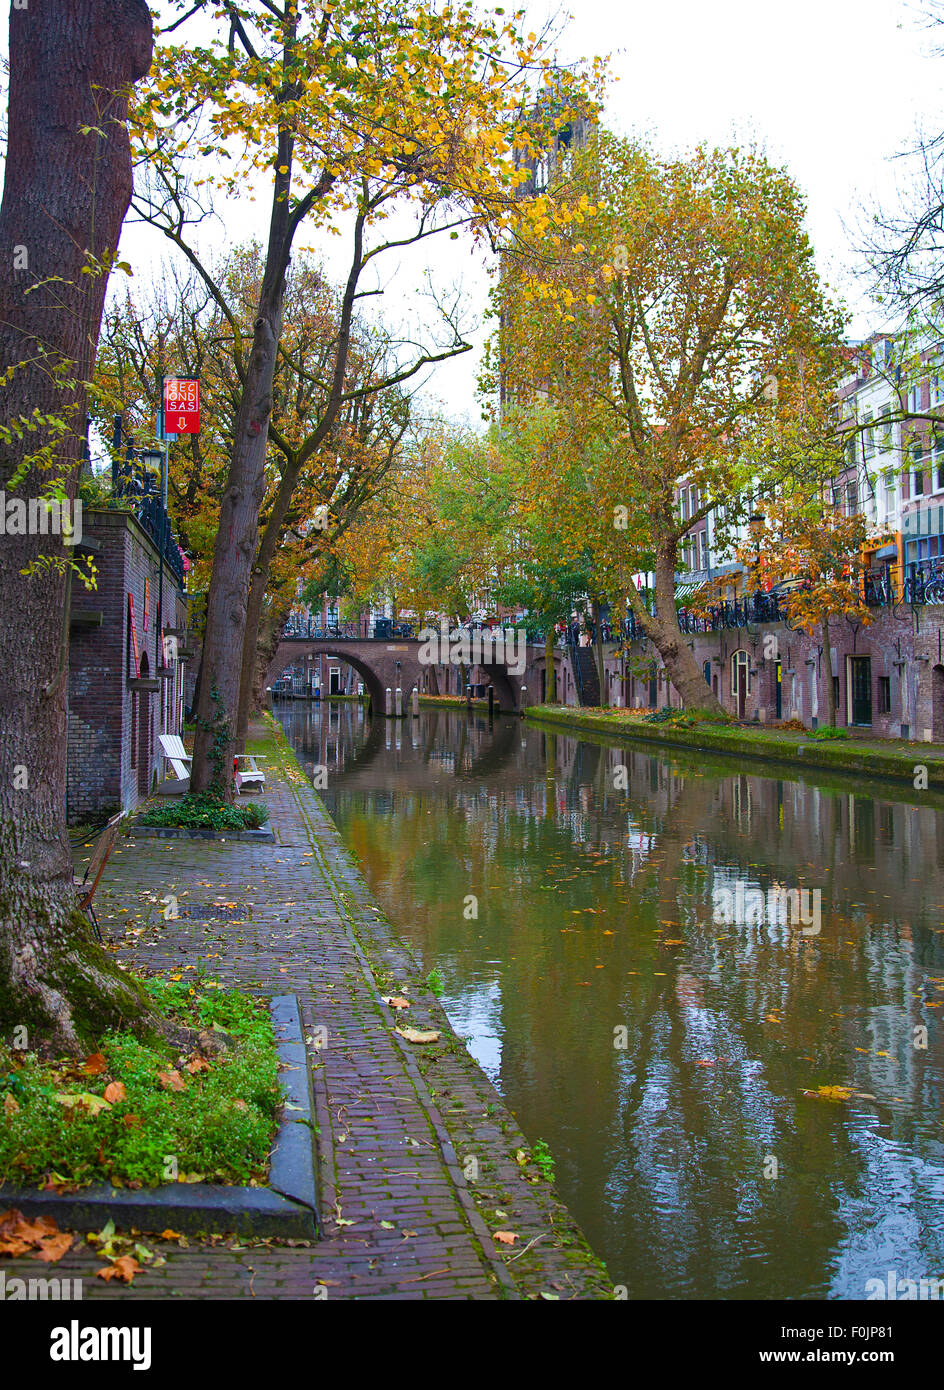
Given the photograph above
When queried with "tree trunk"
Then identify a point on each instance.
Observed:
(257, 592)
(270, 636)
(65, 195)
(598, 648)
(238, 530)
(235, 547)
(678, 658)
(550, 674)
(828, 670)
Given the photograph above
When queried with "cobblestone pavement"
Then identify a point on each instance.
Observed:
(419, 1160)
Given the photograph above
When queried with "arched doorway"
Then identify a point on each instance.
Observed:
(144, 731)
(937, 703)
(740, 681)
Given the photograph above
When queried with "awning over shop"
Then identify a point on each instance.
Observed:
(684, 591)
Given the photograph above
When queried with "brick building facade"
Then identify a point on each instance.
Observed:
(126, 682)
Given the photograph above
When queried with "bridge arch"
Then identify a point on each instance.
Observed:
(386, 665)
(288, 653)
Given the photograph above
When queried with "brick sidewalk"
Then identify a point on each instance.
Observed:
(398, 1124)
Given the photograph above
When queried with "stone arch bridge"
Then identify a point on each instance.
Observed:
(385, 664)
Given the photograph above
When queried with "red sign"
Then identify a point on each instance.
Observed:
(133, 634)
(181, 405)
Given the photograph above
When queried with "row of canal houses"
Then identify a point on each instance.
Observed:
(888, 674)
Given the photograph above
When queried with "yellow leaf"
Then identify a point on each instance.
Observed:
(417, 1035)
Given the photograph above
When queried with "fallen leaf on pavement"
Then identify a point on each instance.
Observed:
(396, 1001)
(124, 1268)
(416, 1035)
(506, 1237)
(19, 1235)
(54, 1247)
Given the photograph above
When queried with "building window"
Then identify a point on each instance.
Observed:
(852, 498)
(886, 435)
(918, 472)
(884, 695)
(868, 436)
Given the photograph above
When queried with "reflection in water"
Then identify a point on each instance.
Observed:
(662, 1051)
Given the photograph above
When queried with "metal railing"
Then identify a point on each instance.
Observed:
(308, 630)
(735, 613)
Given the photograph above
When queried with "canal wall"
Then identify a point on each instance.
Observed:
(918, 764)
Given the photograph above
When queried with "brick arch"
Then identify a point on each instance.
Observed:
(507, 692)
(286, 656)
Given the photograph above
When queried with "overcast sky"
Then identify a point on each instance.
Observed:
(834, 89)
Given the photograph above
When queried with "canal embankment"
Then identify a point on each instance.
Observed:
(427, 1186)
(921, 765)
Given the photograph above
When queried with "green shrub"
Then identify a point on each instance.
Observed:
(202, 810)
(828, 732)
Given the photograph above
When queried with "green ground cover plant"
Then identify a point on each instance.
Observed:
(202, 811)
(203, 1108)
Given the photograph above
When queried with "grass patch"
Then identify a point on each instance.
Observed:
(135, 1115)
(201, 811)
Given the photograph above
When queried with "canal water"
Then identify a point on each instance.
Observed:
(740, 1081)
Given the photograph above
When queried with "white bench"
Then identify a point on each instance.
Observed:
(172, 746)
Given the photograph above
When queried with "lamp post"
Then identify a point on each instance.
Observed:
(756, 527)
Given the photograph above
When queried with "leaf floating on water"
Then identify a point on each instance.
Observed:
(834, 1093)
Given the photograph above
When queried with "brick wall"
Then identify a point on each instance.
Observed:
(105, 773)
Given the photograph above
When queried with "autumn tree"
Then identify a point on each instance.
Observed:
(67, 184)
(316, 480)
(814, 550)
(653, 302)
(346, 112)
